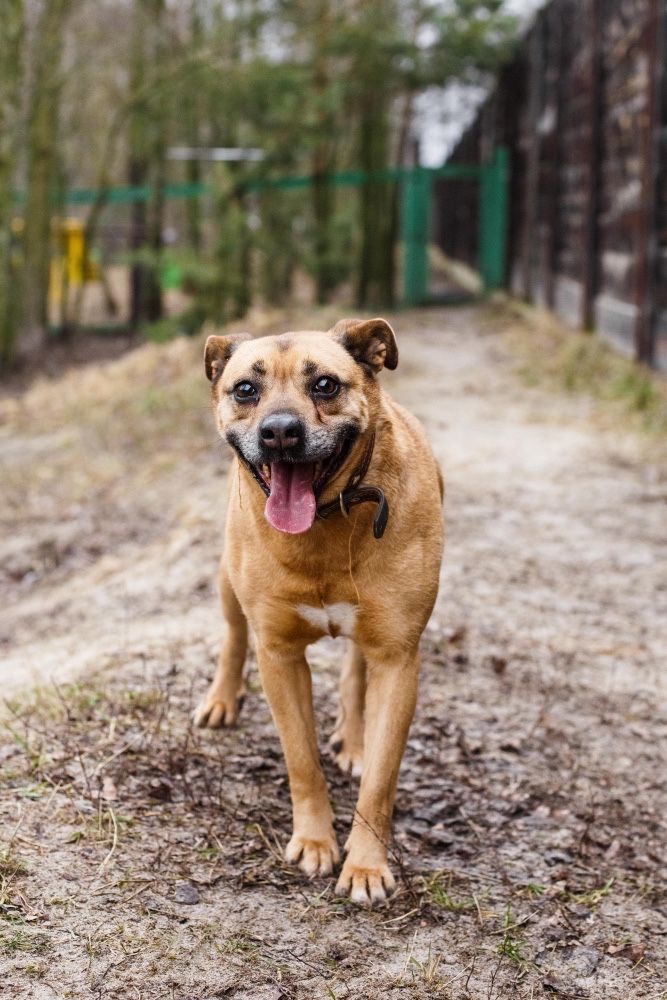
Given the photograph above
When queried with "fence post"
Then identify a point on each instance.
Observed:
(493, 220)
(649, 232)
(531, 185)
(593, 165)
(415, 202)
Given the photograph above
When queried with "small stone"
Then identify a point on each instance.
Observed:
(160, 790)
(186, 893)
(585, 961)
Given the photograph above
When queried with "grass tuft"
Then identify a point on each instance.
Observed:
(21, 940)
(10, 864)
(438, 891)
(583, 363)
(593, 896)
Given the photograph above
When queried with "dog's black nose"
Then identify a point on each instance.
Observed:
(281, 430)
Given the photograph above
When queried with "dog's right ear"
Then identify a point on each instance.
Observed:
(219, 350)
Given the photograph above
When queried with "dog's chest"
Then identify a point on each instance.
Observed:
(330, 619)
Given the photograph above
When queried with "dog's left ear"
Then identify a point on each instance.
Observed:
(218, 351)
(370, 342)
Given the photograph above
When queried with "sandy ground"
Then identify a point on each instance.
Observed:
(141, 858)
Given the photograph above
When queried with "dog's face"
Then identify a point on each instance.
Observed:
(293, 405)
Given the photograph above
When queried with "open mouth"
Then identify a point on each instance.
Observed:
(293, 488)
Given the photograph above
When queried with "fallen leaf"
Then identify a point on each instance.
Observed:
(497, 663)
(633, 952)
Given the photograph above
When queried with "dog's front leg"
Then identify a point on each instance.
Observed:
(287, 684)
(391, 694)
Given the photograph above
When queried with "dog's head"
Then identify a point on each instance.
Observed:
(293, 406)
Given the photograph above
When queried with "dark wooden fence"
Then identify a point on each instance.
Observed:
(583, 111)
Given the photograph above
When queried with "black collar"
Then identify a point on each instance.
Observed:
(353, 492)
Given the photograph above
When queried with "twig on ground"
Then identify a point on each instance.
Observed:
(113, 843)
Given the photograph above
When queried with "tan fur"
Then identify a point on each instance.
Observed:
(392, 582)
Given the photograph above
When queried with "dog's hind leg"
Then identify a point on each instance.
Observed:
(223, 699)
(347, 739)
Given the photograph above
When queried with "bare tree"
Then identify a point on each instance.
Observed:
(11, 67)
(147, 150)
(42, 162)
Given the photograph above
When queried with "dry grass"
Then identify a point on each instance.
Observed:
(628, 395)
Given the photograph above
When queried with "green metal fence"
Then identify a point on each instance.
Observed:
(416, 211)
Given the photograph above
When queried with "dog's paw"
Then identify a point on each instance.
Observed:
(366, 886)
(218, 710)
(348, 754)
(314, 857)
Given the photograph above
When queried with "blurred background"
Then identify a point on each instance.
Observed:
(164, 162)
(168, 162)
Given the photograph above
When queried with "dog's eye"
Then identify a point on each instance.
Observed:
(326, 386)
(245, 392)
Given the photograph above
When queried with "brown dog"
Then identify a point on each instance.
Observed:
(334, 527)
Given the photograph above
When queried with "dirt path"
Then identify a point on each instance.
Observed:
(530, 818)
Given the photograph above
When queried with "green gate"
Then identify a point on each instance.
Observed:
(493, 178)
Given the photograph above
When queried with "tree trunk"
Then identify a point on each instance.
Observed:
(192, 112)
(11, 67)
(376, 265)
(42, 164)
(323, 200)
(375, 286)
(146, 165)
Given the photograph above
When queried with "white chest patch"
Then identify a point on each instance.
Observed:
(332, 619)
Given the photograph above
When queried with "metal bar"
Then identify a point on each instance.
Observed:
(494, 203)
(590, 240)
(458, 172)
(415, 202)
(215, 154)
(648, 223)
(350, 178)
(554, 154)
(533, 158)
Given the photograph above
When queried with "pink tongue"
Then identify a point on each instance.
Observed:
(292, 505)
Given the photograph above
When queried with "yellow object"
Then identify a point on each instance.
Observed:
(70, 264)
